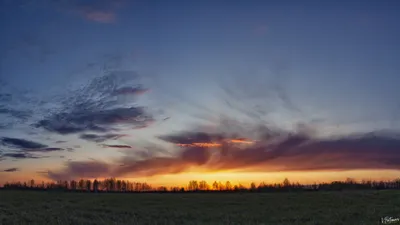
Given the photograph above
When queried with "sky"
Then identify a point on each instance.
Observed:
(169, 91)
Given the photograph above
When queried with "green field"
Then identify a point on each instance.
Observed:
(351, 207)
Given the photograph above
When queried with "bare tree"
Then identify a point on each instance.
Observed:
(193, 185)
(81, 184)
(286, 182)
(32, 183)
(215, 186)
(95, 185)
(72, 185)
(119, 185)
(253, 186)
(88, 185)
(203, 185)
(228, 186)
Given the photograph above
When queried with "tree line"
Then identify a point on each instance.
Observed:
(117, 185)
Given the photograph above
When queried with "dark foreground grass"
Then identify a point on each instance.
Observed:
(351, 207)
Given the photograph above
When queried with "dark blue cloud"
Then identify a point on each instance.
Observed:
(25, 147)
(94, 107)
(49, 149)
(21, 143)
(10, 170)
(192, 137)
(117, 146)
(19, 155)
(99, 138)
(99, 121)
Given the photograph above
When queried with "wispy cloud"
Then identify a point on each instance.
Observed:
(27, 145)
(95, 108)
(10, 170)
(20, 155)
(21, 143)
(100, 138)
(89, 169)
(117, 146)
(278, 151)
(131, 91)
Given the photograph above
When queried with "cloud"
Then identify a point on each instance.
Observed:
(11, 170)
(95, 108)
(192, 137)
(22, 143)
(117, 146)
(50, 149)
(20, 155)
(19, 114)
(131, 91)
(100, 138)
(97, 121)
(189, 157)
(86, 169)
(27, 145)
(288, 152)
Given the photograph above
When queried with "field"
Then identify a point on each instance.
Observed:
(351, 207)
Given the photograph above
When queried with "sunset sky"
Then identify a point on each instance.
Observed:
(170, 91)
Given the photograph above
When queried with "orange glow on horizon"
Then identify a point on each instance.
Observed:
(244, 178)
(215, 144)
(200, 144)
(241, 141)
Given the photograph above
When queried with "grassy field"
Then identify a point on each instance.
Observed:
(352, 207)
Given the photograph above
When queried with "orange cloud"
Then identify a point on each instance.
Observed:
(294, 152)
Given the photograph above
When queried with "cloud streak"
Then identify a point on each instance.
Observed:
(117, 146)
(96, 108)
(27, 145)
(279, 152)
(10, 170)
(21, 143)
(89, 169)
(100, 138)
(20, 155)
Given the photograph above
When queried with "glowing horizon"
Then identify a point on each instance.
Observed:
(245, 179)
(248, 92)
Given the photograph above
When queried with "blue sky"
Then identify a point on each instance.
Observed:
(330, 65)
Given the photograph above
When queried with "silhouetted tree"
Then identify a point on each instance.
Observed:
(253, 186)
(119, 185)
(286, 182)
(73, 184)
(162, 189)
(228, 186)
(81, 184)
(32, 183)
(65, 185)
(215, 186)
(95, 185)
(123, 186)
(203, 186)
(88, 185)
(193, 185)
